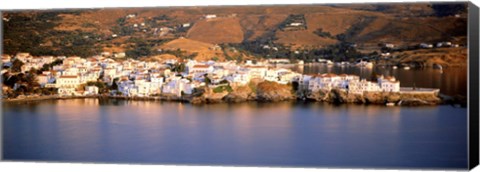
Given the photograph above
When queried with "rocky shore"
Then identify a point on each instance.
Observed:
(40, 98)
(265, 91)
(274, 92)
(403, 99)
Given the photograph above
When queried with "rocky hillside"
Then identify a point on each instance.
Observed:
(141, 31)
(428, 58)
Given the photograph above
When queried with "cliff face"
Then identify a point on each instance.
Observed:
(259, 91)
(240, 94)
(272, 91)
(208, 96)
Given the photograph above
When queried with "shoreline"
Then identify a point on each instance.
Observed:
(169, 98)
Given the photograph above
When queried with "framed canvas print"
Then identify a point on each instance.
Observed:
(347, 85)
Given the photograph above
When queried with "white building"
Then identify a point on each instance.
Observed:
(296, 24)
(256, 71)
(177, 86)
(66, 81)
(240, 78)
(210, 16)
(425, 45)
(324, 82)
(359, 87)
(200, 69)
(388, 84)
(91, 90)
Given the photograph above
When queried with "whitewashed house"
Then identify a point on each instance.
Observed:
(71, 71)
(359, 87)
(68, 81)
(210, 16)
(125, 86)
(303, 81)
(91, 90)
(240, 78)
(256, 71)
(325, 82)
(388, 84)
(200, 69)
(177, 86)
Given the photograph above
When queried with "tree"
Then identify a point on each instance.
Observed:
(373, 76)
(207, 80)
(34, 71)
(102, 87)
(179, 67)
(32, 82)
(17, 65)
(114, 85)
(45, 67)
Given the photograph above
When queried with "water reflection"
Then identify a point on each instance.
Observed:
(266, 134)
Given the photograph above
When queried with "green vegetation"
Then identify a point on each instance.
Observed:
(17, 65)
(207, 80)
(114, 85)
(179, 67)
(449, 9)
(35, 33)
(197, 92)
(323, 34)
(222, 88)
(47, 67)
(22, 84)
(294, 18)
(252, 86)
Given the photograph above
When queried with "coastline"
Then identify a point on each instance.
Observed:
(413, 102)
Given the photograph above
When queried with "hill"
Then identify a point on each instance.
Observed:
(240, 31)
(202, 51)
(429, 57)
(217, 31)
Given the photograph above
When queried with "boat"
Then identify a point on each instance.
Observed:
(406, 68)
(394, 67)
(390, 104)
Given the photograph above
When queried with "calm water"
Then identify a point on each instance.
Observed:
(252, 134)
(451, 81)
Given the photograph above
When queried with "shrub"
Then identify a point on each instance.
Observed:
(223, 88)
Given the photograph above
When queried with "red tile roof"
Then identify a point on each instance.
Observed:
(68, 76)
(201, 66)
(248, 66)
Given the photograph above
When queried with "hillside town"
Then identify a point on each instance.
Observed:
(133, 78)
